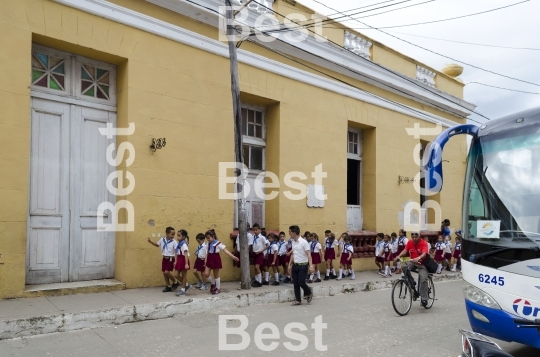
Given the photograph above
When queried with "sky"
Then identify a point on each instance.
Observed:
(515, 26)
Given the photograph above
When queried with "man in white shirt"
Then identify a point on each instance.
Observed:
(298, 265)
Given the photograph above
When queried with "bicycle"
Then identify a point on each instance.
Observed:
(404, 292)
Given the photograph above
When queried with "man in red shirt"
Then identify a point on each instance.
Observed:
(417, 250)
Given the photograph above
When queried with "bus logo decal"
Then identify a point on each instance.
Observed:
(527, 309)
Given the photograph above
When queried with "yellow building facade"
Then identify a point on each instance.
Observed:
(71, 70)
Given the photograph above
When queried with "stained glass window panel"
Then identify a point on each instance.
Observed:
(43, 58)
(36, 63)
(54, 61)
(59, 79)
(85, 85)
(90, 92)
(42, 82)
(86, 73)
(36, 75)
(105, 90)
(59, 69)
(104, 79)
(53, 84)
(100, 93)
(101, 72)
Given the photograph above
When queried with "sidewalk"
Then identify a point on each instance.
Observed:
(42, 315)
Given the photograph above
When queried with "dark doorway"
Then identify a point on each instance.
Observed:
(353, 182)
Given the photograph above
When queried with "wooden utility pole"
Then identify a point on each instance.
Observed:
(241, 201)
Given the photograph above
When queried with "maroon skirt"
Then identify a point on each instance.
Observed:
(269, 260)
(387, 256)
(400, 249)
(199, 265)
(329, 254)
(213, 261)
(379, 259)
(447, 256)
(316, 258)
(345, 260)
(284, 259)
(457, 253)
(259, 259)
(439, 255)
(167, 264)
(394, 256)
(181, 263)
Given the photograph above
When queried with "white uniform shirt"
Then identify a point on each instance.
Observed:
(250, 240)
(379, 248)
(394, 246)
(180, 249)
(348, 248)
(315, 248)
(329, 245)
(259, 243)
(167, 246)
(448, 246)
(440, 246)
(272, 248)
(282, 247)
(428, 246)
(215, 247)
(402, 241)
(299, 249)
(201, 251)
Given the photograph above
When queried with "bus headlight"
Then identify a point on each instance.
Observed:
(479, 297)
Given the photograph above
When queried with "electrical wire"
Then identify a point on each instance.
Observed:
(508, 89)
(431, 22)
(400, 8)
(414, 82)
(468, 43)
(439, 54)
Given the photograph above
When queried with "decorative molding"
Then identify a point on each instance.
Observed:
(164, 29)
(261, 6)
(358, 45)
(425, 76)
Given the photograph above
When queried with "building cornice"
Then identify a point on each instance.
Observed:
(164, 29)
(337, 57)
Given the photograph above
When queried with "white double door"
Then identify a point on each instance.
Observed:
(68, 172)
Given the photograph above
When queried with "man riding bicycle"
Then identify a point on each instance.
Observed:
(417, 249)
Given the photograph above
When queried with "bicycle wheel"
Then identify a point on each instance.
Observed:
(431, 293)
(401, 298)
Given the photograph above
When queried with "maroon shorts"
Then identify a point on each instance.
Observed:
(387, 256)
(259, 259)
(345, 260)
(329, 254)
(167, 264)
(199, 265)
(213, 261)
(394, 256)
(181, 263)
(439, 256)
(447, 256)
(283, 259)
(379, 259)
(316, 258)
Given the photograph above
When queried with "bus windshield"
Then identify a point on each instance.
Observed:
(502, 198)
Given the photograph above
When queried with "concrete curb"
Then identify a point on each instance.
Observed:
(154, 311)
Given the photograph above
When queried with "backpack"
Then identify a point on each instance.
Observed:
(430, 264)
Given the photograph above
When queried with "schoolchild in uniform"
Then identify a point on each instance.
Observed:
(346, 257)
(379, 259)
(340, 250)
(181, 255)
(329, 252)
(387, 255)
(198, 267)
(457, 251)
(402, 242)
(440, 248)
(448, 252)
(213, 260)
(394, 244)
(316, 251)
(271, 260)
(260, 243)
(167, 245)
(288, 279)
(283, 258)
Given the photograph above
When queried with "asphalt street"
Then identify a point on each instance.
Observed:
(359, 324)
